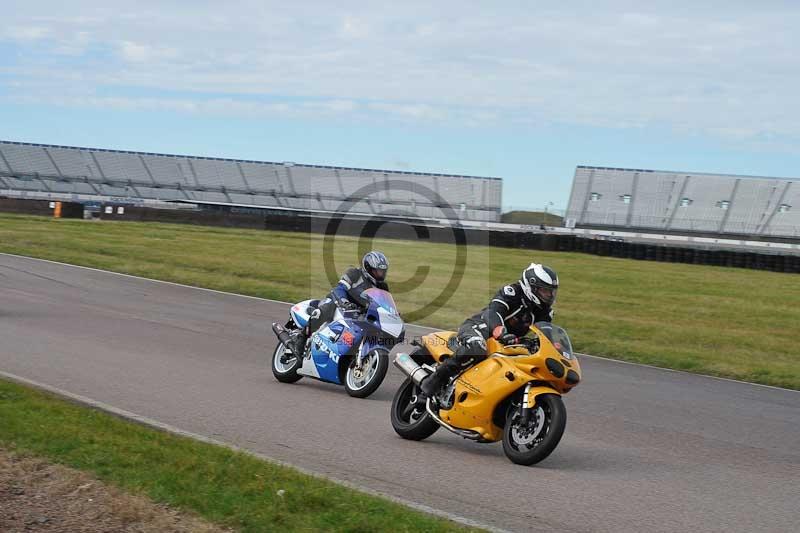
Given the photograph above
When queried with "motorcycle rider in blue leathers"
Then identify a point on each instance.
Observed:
(346, 294)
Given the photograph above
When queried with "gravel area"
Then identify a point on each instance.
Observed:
(39, 496)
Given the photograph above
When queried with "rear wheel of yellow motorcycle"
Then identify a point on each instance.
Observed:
(409, 418)
(530, 443)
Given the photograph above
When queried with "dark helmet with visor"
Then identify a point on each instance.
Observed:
(375, 266)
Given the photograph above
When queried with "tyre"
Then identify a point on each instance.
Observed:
(532, 443)
(363, 381)
(409, 420)
(285, 364)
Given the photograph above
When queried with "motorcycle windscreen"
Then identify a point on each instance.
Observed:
(390, 321)
(558, 336)
(382, 299)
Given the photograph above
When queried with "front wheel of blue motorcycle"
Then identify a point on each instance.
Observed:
(363, 379)
(285, 364)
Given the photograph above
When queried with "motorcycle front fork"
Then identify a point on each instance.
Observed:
(525, 411)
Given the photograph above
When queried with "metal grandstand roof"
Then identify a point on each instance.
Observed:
(67, 170)
(685, 201)
(685, 173)
(403, 172)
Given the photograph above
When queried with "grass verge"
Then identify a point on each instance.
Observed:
(226, 487)
(726, 322)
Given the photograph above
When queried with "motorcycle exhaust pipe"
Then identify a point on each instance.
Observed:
(410, 368)
(282, 334)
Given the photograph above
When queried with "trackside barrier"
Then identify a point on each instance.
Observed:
(405, 229)
(674, 254)
(41, 207)
(505, 239)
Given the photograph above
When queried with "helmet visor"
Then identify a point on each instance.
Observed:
(547, 295)
(378, 273)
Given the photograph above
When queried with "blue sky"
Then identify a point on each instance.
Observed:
(525, 91)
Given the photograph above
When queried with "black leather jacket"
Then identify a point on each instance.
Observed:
(352, 283)
(509, 309)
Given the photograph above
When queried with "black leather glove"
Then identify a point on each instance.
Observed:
(347, 305)
(508, 338)
(504, 337)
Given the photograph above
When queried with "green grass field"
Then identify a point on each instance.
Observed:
(727, 322)
(226, 487)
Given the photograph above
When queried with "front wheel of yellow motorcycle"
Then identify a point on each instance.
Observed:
(531, 442)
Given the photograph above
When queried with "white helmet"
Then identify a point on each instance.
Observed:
(539, 285)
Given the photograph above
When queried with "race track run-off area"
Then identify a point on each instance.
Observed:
(645, 449)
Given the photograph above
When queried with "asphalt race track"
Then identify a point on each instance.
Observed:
(644, 450)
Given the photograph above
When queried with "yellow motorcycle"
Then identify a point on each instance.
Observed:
(514, 395)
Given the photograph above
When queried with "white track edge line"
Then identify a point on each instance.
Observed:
(677, 371)
(415, 325)
(150, 422)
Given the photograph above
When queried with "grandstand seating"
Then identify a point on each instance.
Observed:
(681, 201)
(64, 170)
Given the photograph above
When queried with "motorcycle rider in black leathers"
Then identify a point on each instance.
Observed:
(347, 294)
(507, 318)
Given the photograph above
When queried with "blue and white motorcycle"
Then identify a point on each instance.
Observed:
(351, 350)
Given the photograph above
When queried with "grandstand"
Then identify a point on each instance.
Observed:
(663, 201)
(90, 174)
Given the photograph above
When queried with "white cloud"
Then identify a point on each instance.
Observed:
(211, 106)
(720, 68)
(354, 28)
(77, 45)
(135, 52)
(332, 106)
(26, 33)
(411, 111)
(143, 53)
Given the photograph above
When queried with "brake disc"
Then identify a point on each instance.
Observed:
(528, 434)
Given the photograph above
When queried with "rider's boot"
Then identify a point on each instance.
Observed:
(431, 384)
(315, 320)
(298, 347)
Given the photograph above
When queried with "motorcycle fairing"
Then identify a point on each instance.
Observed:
(438, 344)
(299, 311)
(324, 352)
(479, 390)
(344, 337)
(328, 346)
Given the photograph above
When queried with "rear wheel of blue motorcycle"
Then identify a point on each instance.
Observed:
(361, 382)
(285, 365)
(410, 420)
(533, 442)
